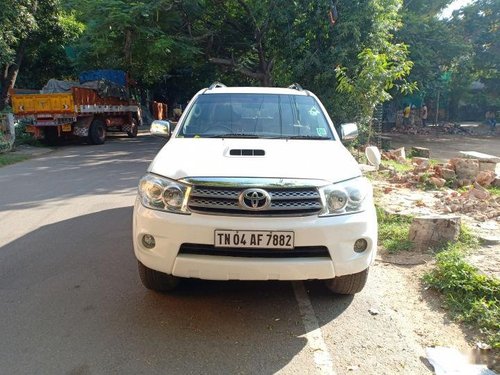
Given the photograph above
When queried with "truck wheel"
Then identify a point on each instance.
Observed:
(155, 280)
(51, 136)
(348, 284)
(134, 129)
(97, 132)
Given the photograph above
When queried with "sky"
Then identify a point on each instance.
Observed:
(457, 4)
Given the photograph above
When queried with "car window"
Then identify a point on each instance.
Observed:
(255, 115)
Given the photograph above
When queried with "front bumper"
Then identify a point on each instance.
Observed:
(337, 233)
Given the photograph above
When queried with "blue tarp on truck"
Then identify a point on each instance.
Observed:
(116, 76)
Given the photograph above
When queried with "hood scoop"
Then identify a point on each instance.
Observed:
(246, 152)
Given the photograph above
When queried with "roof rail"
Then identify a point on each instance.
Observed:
(296, 86)
(216, 84)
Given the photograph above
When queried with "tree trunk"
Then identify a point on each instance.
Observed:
(434, 231)
(127, 49)
(9, 76)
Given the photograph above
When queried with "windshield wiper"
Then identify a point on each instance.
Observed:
(307, 137)
(232, 135)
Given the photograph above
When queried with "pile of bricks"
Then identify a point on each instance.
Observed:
(474, 173)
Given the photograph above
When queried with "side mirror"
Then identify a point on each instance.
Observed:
(161, 128)
(349, 131)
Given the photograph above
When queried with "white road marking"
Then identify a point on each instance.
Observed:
(314, 336)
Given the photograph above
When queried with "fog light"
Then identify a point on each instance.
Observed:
(360, 245)
(148, 241)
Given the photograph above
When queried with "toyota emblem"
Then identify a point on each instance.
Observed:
(254, 199)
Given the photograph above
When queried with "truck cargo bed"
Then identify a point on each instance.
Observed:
(79, 100)
(29, 104)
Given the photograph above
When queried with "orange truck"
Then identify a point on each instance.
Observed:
(99, 103)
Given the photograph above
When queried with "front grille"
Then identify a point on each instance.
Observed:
(285, 201)
(298, 252)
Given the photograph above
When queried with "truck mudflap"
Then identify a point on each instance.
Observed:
(82, 125)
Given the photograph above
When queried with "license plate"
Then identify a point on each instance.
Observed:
(255, 239)
(66, 128)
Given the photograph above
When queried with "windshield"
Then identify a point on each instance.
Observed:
(256, 116)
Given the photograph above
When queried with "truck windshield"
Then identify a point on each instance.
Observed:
(256, 116)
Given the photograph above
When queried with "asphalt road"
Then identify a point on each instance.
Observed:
(71, 301)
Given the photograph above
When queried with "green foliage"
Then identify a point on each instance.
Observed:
(46, 56)
(17, 21)
(33, 34)
(376, 49)
(450, 54)
(393, 231)
(494, 190)
(146, 38)
(479, 23)
(11, 158)
(398, 167)
(471, 296)
(381, 64)
(23, 137)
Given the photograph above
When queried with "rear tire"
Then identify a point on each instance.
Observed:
(97, 132)
(155, 280)
(134, 129)
(51, 135)
(348, 284)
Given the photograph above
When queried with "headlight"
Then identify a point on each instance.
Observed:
(346, 197)
(160, 193)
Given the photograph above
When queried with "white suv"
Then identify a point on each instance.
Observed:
(254, 184)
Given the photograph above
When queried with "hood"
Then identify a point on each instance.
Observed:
(217, 157)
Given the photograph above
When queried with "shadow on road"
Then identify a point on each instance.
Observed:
(78, 170)
(72, 302)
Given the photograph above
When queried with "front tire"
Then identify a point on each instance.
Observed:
(97, 132)
(348, 284)
(155, 280)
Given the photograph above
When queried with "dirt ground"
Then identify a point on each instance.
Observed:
(447, 146)
(444, 147)
(422, 308)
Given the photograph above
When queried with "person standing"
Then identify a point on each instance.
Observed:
(406, 115)
(423, 114)
(491, 120)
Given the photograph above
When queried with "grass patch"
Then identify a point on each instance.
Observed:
(393, 231)
(11, 158)
(470, 296)
(494, 190)
(398, 167)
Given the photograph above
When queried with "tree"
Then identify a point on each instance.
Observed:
(382, 65)
(17, 22)
(145, 38)
(280, 42)
(239, 35)
(479, 26)
(32, 34)
(351, 63)
(450, 54)
(435, 48)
